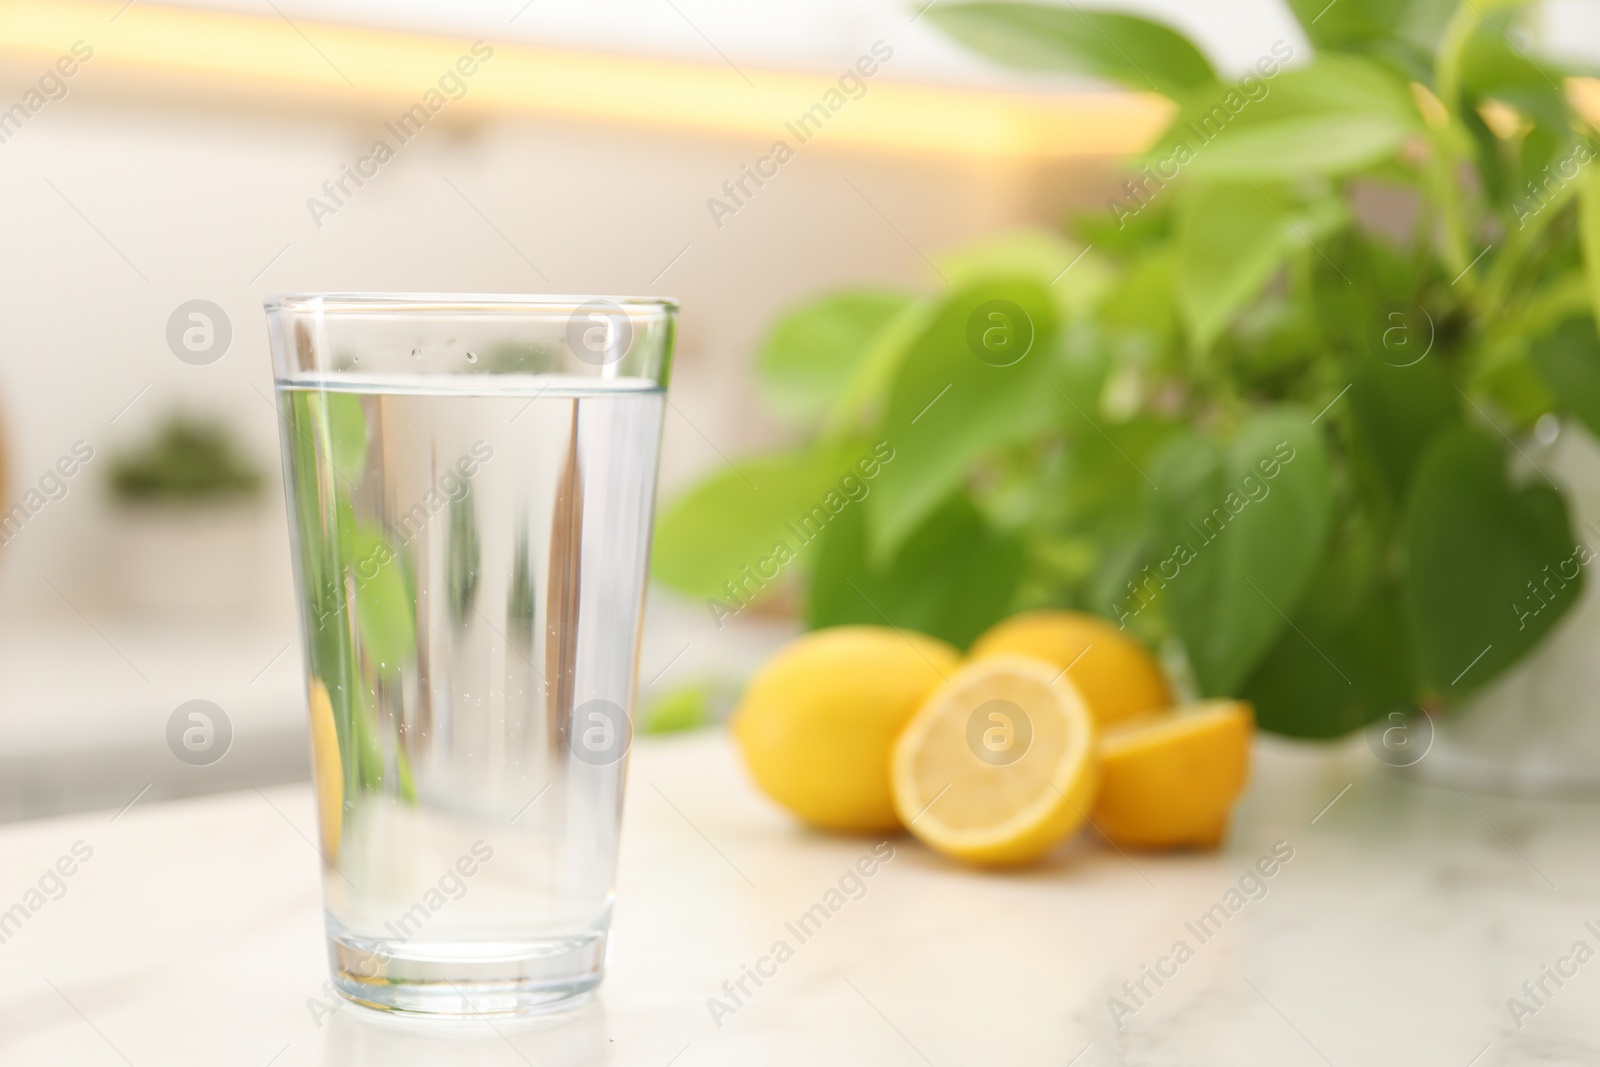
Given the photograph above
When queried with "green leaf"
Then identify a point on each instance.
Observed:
(1492, 67)
(736, 519)
(1489, 569)
(812, 352)
(1126, 233)
(1230, 240)
(686, 708)
(974, 379)
(953, 577)
(1402, 31)
(364, 761)
(1074, 274)
(1361, 273)
(1241, 529)
(1096, 507)
(1518, 390)
(1589, 229)
(1324, 678)
(1334, 116)
(1397, 410)
(862, 398)
(1569, 361)
(1103, 480)
(1347, 659)
(1131, 51)
(1144, 299)
(385, 609)
(347, 436)
(1355, 23)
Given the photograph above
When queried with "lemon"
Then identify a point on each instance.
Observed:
(1170, 781)
(997, 767)
(817, 721)
(327, 767)
(1117, 676)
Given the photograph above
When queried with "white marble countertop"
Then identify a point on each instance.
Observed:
(1406, 918)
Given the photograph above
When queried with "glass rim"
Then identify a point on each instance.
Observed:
(536, 303)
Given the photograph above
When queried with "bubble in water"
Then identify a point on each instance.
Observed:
(472, 357)
(416, 353)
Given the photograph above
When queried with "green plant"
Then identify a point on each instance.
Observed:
(1259, 420)
(189, 460)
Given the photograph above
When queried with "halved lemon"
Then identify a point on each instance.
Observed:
(1170, 781)
(997, 767)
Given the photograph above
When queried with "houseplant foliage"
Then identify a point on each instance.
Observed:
(190, 461)
(1269, 408)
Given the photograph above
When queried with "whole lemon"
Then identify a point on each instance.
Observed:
(817, 722)
(1118, 677)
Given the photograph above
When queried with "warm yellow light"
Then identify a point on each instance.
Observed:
(1584, 96)
(370, 66)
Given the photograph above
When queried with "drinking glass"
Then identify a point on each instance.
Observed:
(470, 482)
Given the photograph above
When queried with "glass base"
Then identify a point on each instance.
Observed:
(467, 979)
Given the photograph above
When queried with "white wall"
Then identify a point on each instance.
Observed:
(120, 207)
(803, 34)
(180, 203)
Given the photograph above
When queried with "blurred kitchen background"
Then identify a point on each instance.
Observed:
(177, 161)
